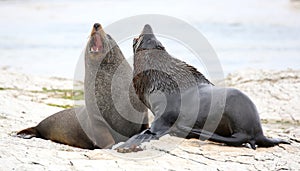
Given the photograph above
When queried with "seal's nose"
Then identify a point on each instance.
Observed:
(147, 26)
(147, 29)
(96, 26)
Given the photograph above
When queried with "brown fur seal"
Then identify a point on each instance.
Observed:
(62, 127)
(181, 99)
(101, 123)
(109, 93)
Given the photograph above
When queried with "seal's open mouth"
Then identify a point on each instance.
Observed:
(96, 43)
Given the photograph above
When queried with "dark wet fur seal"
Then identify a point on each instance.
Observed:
(172, 90)
(98, 124)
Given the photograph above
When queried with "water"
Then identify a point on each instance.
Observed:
(47, 37)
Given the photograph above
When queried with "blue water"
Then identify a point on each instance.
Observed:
(47, 37)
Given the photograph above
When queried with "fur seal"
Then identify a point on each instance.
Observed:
(181, 99)
(100, 123)
(109, 92)
(62, 127)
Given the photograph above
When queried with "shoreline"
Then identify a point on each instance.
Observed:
(25, 101)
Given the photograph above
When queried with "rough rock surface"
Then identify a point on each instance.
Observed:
(23, 104)
(275, 93)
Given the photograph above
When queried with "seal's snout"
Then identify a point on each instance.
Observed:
(146, 40)
(96, 26)
(147, 29)
(95, 41)
(147, 26)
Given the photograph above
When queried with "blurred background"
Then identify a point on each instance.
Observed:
(46, 37)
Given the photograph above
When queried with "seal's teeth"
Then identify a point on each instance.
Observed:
(94, 50)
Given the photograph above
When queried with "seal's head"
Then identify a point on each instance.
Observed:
(146, 41)
(156, 70)
(99, 44)
(95, 44)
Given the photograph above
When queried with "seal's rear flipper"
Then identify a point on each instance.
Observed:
(238, 139)
(28, 133)
(263, 141)
(234, 140)
(132, 145)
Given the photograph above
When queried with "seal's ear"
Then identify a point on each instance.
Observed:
(136, 43)
(135, 40)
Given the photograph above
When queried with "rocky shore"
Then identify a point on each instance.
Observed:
(25, 100)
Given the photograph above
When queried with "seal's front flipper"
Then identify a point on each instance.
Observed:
(28, 133)
(102, 136)
(132, 145)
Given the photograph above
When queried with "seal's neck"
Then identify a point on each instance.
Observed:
(99, 70)
(156, 70)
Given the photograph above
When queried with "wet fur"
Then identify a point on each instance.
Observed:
(156, 70)
(162, 82)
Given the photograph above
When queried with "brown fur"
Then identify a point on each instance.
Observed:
(98, 124)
